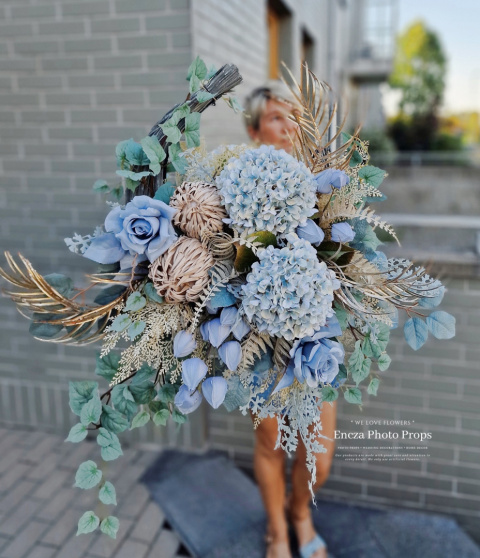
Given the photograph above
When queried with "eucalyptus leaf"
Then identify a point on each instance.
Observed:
(416, 332)
(372, 175)
(151, 293)
(136, 329)
(62, 284)
(109, 294)
(121, 322)
(135, 302)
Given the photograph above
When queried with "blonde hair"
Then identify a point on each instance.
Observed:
(256, 101)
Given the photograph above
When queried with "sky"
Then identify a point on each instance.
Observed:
(457, 23)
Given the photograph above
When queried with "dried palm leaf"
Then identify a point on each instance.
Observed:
(84, 324)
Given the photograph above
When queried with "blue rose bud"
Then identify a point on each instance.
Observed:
(187, 402)
(330, 178)
(193, 372)
(183, 344)
(311, 232)
(231, 354)
(214, 390)
(342, 232)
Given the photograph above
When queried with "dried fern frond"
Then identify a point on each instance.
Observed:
(85, 324)
(281, 353)
(316, 131)
(253, 347)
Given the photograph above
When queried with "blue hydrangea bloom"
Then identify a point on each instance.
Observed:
(267, 190)
(289, 293)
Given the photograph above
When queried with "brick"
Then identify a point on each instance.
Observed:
(365, 473)
(135, 503)
(10, 477)
(23, 165)
(44, 183)
(21, 516)
(9, 149)
(166, 97)
(64, 528)
(455, 471)
(73, 166)
(15, 496)
(7, 116)
(468, 488)
(149, 524)
(70, 99)
(104, 547)
(25, 540)
(88, 45)
(33, 12)
(94, 150)
(46, 150)
(142, 80)
(451, 404)
(423, 482)
(148, 43)
(166, 545)
(95, 115)
(18, 99)
(388, 493)
(469, 456)
(169, 22)
(41, 551)
(177, 59)
(342, 486)
(16, 30)
(39, 82)
(86, 8)
(129, 24)
(62, 28)
(71, 132)
(94, 81)
(132, 548)
(181, 40)
(123, 6)
(42, 117)
(61, 64)
(17, 65)
(75, 546)
(451, 503)
(117, 62)
(35, 47)
(118, 132)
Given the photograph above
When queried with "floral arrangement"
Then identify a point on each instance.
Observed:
(252, 278)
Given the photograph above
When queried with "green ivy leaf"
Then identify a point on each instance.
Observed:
(123, 401)
(112, 420)
(136, 329)
(80, 393)
(179, 163)
(143, 374)
(101, 187)
(353, 395)
(372, 175)
(134, 176)
(143, 393)
(108, 495)
(107, 366)
(87, 523)
(135, 154)
(109, 444)
(233, 103)
(109, 526)
(370, 349)
(88, 475)
(329, 394)
(192, 129)
(179, 417)
(197, 68)
(164, 193)
(342, 315)
(373, 386)
(203, 96)
(91, 411)
(167, 393)
(121, 322)
(384, 362)
(171, 130)
(154, 151)
(160, 418)
(77, 433)
(140, 420)
(117, 192)
(135, 302)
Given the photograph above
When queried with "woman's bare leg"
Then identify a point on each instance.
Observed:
(269, 466)
(300, 499)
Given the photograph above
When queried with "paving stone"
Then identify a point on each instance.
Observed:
(10, 477)
(166, 545)
(63, 529)
(41, 551)
(51, 484)
(13, 498)
(149, 523)
(105, 547)
(21, 516)
(58, 503)
(132, 548)
(24, 541)
(75, 546)
(134, 502)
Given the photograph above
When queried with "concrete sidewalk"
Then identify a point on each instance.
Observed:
(39, 508)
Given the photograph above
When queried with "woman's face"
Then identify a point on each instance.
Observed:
(275, 127)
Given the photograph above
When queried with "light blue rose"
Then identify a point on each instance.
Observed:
(144, 227)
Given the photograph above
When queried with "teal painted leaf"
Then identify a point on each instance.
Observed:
(140, 419)
(180, 112)
(167, 393)
(154, 151)
(342, 315)
(164, 193)
(383, 336)
(91, 411)
(136, 329)
(107, 494)
(101, 187)
(222, 298)
(192, 129)
(151, 293)
(63, 285)
(441, 325)
(372, 175)
(211, 72)
(370, 349)
(353, 395)
(194, 84)
(135, 176)
(107, 366)
(143, 393)
(416, 332)
(135, 154)
(77, 433)
(373, 386)
(329, 394)
(135, 302)
(156, 406)
(88, 475)
(121, 322)
(109, 294)
(179, 163)
(237, 394)
(178, 417)
(143, 374)
(117, 192)
(160, 418)
(87, 523)
(384, 362)
(361, 372)
(41, 328)
(81, 393)
(120, 151)
(109, 444)
(356, 159)
(112, 420)
(109, 526)
(123, 401)
(234, 104)
(131, 184)
(203, 96)
(197, 68)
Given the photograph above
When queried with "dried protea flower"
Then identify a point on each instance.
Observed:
(181, 273)
(199, 208)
